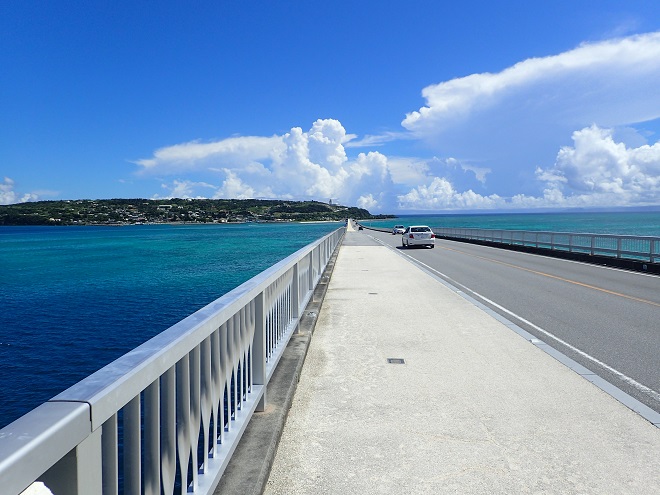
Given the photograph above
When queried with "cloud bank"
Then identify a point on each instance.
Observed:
(613, 83)
(516, 120)
(300, 164)
(596, 171)
(556, 131)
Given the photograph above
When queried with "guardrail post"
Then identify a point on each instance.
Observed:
(168, 431)
(152, 439)
(652, 250)
(259, 347)
(593, 244)
(132, 447)
(79, 471)
(109, 442)
(618, 247)
(295, 295)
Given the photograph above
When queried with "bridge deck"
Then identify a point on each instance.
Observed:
(474, 408)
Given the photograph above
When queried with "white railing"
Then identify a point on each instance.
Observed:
(616, 246)
(167, 416)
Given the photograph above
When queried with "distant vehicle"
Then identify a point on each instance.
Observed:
(398, 229)
(418, 235)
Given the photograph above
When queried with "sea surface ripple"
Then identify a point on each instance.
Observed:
(74, 299)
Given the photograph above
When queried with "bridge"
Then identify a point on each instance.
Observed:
(412, 381)
(415, 383)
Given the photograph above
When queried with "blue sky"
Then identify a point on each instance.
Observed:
(415, 106)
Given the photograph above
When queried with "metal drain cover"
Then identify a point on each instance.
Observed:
(396, 361)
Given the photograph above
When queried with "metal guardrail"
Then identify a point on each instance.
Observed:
(615, 246)
(169, 414)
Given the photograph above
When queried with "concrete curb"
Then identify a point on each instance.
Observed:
(249, 468)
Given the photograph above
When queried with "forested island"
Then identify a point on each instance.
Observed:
(147, 211)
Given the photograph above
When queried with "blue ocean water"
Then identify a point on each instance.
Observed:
(619, 223)
(73, 299)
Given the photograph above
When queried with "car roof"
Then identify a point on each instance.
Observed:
(419, 226)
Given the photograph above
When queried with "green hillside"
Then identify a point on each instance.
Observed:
(136, 211)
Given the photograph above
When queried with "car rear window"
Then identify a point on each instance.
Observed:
(420, 229)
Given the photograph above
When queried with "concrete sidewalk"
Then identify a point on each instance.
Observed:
(475, 408)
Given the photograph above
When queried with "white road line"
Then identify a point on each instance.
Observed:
(642, 388)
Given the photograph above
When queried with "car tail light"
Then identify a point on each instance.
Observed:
(411, 236)
(432, 236)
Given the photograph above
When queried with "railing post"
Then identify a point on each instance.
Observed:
(132, 448)
(195, 411)
(259, 347)
(618, 247)
(295, 296)
(183, 415)
(593, 244)
(79, 471)
(168, 429)
(651, 250)
(152, 439)
(109, 444)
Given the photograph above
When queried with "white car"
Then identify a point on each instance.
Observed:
(398, 229)
(418, 235)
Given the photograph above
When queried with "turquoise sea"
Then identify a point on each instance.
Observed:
(618, 223)
(72, 299)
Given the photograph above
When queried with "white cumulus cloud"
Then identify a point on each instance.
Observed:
(296, 165)
(597, 171)
(440, 194)
(185, 189)
(367, 202)
(8, 196)
(504, 125)
(577, 85)
(600, 171)
(196, 155)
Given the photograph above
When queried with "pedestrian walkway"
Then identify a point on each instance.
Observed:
(409, 388)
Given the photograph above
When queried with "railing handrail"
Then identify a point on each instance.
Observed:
(559, 232)
(222, 357)
(641, 248)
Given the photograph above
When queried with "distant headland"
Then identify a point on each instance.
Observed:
(152, 211)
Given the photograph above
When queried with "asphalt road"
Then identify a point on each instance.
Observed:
(606, 319)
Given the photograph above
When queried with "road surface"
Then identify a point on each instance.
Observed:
(606, 319)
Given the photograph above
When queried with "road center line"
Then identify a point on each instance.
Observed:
(543, 274)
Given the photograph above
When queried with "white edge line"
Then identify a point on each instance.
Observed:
(629, 401)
